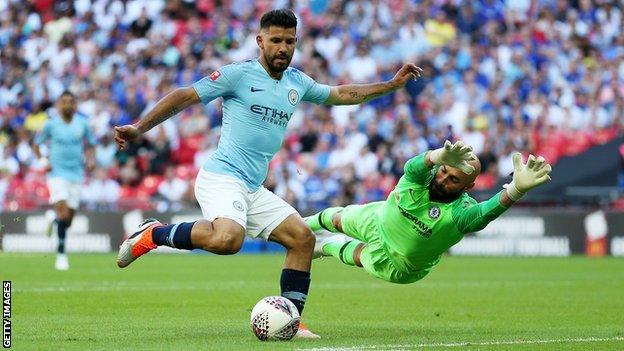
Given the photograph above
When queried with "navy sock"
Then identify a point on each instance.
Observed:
(61, 228)
(295, 285)
(174, 235)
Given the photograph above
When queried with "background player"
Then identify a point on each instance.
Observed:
(66, 132)
(260, 97)
(400, 239)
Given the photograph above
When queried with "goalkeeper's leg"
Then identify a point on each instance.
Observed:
(354, 222)
(345, 249)
(329, 219)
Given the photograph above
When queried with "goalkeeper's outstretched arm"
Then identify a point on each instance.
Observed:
(526, 177)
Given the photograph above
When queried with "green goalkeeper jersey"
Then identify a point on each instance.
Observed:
(416, 230)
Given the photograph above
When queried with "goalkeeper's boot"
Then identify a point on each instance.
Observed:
(138, 244)
(304, 333)
(324, 237)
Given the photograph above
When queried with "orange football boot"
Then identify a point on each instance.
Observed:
(138, 244)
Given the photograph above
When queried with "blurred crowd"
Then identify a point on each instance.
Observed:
(541, 76)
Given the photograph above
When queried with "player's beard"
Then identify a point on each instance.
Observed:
(281, 67)
(67, 113)
(438, 194)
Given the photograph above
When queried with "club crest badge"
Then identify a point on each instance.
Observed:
(434, 212)
(238, 206)
(293, 97)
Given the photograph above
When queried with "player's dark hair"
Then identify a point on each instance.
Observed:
(283, 18)
(68, 93)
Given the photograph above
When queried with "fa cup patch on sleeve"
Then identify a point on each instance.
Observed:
(214, 75)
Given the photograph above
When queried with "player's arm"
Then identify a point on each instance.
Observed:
(353, 94)
(526, 177)
(165, 108)
(90, 158)
(36, 150)
(418, 168)
(41, 138)
(472, 217)
(91, 141)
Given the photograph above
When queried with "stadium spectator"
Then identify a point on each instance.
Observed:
(499, 73)
(101, 193)
(172, 189)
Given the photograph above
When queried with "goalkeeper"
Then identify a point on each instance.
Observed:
(400, 239)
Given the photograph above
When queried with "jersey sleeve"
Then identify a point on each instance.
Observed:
(416, 170)
(43, 135)
(470, 216)
(221, 82)
(314, 92)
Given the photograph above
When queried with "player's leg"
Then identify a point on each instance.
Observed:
(64, 197)
(221, 236)
(64, 216)
(270, 217)
(298, 240)
(355, 221)
(333, 219)
(341, 246)
(328, 219)
(273, 219)
(223, 203)
(62, 221)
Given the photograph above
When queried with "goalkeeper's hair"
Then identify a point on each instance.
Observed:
(283, 18)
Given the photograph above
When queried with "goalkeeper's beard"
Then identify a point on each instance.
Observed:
(438, 194)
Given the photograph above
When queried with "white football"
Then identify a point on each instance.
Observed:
(275, 318)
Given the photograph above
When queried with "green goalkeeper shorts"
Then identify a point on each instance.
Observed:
(360, 222)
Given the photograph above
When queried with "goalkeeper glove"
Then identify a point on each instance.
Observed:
(527, 176)
(455, 155)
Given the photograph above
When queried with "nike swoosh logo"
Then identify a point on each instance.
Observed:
(253, 90)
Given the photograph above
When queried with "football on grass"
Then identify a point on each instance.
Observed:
(275, 318)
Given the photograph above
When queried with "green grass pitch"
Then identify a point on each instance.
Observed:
(202, 302)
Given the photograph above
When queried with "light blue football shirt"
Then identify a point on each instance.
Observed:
(256, 110)
(66, 142)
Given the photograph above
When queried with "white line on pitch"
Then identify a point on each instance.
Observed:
(466, 343)
(123, 285)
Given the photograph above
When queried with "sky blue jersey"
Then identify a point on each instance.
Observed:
(66, 142)
(256, 110)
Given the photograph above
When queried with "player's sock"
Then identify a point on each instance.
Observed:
(61, 228)
(323, 220)
(295, 285)
(174, 235)
(342, 251)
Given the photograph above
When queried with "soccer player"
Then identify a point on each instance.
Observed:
(70, 144)
(259, 97)
(400, 239)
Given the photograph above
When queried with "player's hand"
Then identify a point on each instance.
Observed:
(455, 155)
(407, 72)
(90, 164)
(527, 176)
(125, 133)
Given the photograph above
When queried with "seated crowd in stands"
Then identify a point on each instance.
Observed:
(545, 77)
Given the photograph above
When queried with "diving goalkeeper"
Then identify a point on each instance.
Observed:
(400, 239)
